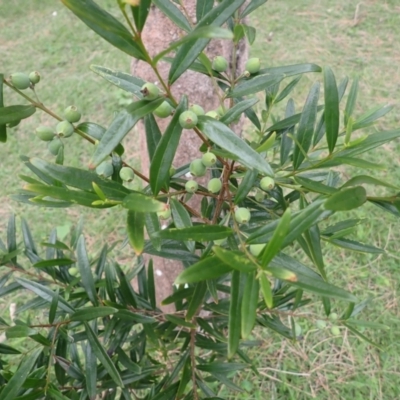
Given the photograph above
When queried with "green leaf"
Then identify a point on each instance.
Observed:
(371, 116)
(3, 128)
(102, 355)
(196, 300)
(254, 4)
(246, 185)
(54, 263)
(221, 367)
(13, 386)
(152, 226)
(141, 203)
(12, 238)
(351, 101)
(202, 8)
(5, 349)
(234, 322)
(315, 186)
(179, 321)
(355, 246)
(287, 89)
(124, 81)
(19, 331)
(289, 70)
(54, 306)
(331, 114)
(235, 112)
(89, 313)
(153, 134)
(305, 129)
(173, 13)
(249, 304)
(266, 290)
(368, 180)
(235, 259)
(208, 268)
(121, 126)
(287, 135)
(135, 227)
(181, 219)
(140, 13)
(253, 85)
(196, 233)
(165, 151)
(85, 271)
(346, 199)
(12, 114)
(222, 136)
(188, 52)
(363, 337)
(105, 25)
(127, 315)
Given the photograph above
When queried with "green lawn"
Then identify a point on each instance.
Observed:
(354, 38)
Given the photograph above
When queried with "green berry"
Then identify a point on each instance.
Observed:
(72, 114)
(44, 133)
(20, 80)
(256, 249)
(259, 196)
(335, 330)
(165, 214)
(198, 110)
(105, 169)
(150, 91)
(197, 168)
(333, 316)
(34, 77)
(242, 215)
(253, 65)
(209, 159)
(126, 174)
(164, 110)
(64, 129)
(214, 185)
(267, 183)
(212, 114)
(297, 330)
(220, 64)
(188, 119)
(320, 323)
(172, 171)
(55, 145)
(191, 186)
(74, 271)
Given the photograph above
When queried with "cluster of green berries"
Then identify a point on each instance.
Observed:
(22, 81)
(150, 91)
(220, 64)
(322, 324)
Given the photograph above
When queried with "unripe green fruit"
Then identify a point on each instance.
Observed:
(55, 145)
(172, 171)
(242, 215)
(72, 114)
(267, 183)
(165, 214)
(320, 323)
(64, 129)
(212, 114)
(191, 186)
(259, 196)
(220, 64)
(74, 271)
(256, 249)
(20, 80)
(126, 174)
(197, 168)
(150, 91)
(44, 133)
(209, 159)
(164, 110)
(105, 169)
(34, 77)
(297, 330)
(198, 110)
(335, 330)
(214, 185)
(188, 119)
(333, 316)
(253, 65)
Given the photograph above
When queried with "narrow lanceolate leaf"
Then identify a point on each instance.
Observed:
(305, 129)
(120, 127)
(135, 227)
(140, 13)
(105, 25)
(12, 114)
(208, 268)
(54, 305)
(5, 349)
(275, 244)
(89, 313)
(139, 202)
(234, 322)
(11, 389)
(251, 7)
(181, 219)
(165, 151)
(12, 237)
(86, 271)
(347, 199)
(371, 116)
(246, 185)
(173, 13)
(90, 371)
(351, 101)
(369, 180)
(235, 259)
(331, 108)
(254, 85)
(102, 355)
(203, 7)
(153, 134)
(249, 304)
(54, 262)
(197, 300)
(266, 290)
(355, 246)
(197, 233)
(188, 52)
(235, 112)
(222, 136)
(3, 128)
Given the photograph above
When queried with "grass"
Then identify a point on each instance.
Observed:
(354, 38)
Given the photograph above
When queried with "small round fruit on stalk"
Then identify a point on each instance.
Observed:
(20, 80)
(212, 114)
(72, 114)
(219, 64)
(209, 159)
(44, 133)
(55, 145)
(197, 168)
(74, 271)
(267, 183)
(126, 174)
(242, 215)
(164, 110)
(188, 119)
(320, 324)
(150, 91)
(191, 186)
(198, 110)
(164, 214)
(64, 129)
(335, 330)
(34, 77)
(105, 169)
(253, 65)
(172, 171)
(259, 196)
(214, 185)
(256, 249)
